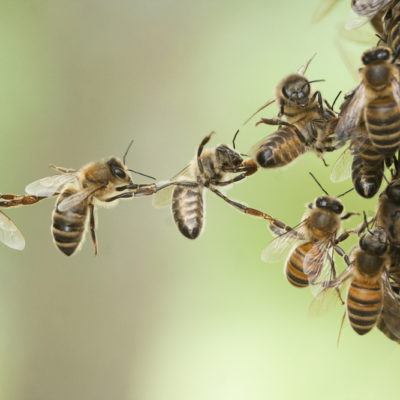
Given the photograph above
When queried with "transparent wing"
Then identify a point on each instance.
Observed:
(356, 21)
(369, 8)
(303, 69)
(350, 113)
(324, 7)
(10, 235)
(396, 90)
(391, 307)
(164, 196)
(50, 185)
(76, 198)
(278, 247)
(342, 168)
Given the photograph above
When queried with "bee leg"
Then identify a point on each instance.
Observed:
(348, 215)
(200, 150)
(317, 95)
(333, 274)
(11, 200)
(241, 207)
(345, 257)
(282, 108)
(249, 171)
(92, 228)
(63, 170)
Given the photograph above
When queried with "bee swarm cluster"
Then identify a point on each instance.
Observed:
(368, 125)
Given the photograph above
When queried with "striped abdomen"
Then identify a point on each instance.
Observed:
(364, 305)
(367, 170)
(295, 266)
(68, 226)
(392, 28)
(382, 118)
(280, 148)
(187, 209)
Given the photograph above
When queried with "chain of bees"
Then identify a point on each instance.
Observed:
(368, 124)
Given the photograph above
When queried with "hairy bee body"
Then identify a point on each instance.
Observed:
(294, 270)
(391, 23)
(68, 226)
(322, 223)
(188, 210)
(367, 168)
(280, 148)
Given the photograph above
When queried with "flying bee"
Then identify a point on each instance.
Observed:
(375, 101)
(209, 169)
(311, 242)
(370, 296)
(306, 122)
(79, 192)
(362, 162)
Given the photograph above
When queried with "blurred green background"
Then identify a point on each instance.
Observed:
(155, 316)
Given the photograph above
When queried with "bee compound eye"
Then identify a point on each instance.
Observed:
(118, 172)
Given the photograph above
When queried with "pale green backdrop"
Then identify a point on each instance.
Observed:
(155, 316)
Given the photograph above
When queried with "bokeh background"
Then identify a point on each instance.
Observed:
(155, 316)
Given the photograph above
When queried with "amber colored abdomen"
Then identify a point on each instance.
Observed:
(68, 226)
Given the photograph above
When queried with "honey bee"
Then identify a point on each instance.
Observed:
(209, 169)
(79, 192)
(311, 240)
(375, 101)
(304, 122)
(363, 162)
(370, 297)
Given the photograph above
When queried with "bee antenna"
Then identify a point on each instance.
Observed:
(347, 191)
(127, 151)
(366, 223)
(309, 82)
(141, 173)
(381, 39)
(316, 180)
(334, 101)
(261, 108)
(234, 139)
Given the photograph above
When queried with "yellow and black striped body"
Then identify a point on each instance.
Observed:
(367, 168)
(68, 226)
(392, 27)
(364, 304)
(382, 118)
(280, 148)
(294, 270)
(187, 209)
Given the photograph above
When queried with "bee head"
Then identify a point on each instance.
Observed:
(118, 170)
(393, 191)
(296, 89)
(329, 203)
(377, 54)
(228, 157)
(374, 241)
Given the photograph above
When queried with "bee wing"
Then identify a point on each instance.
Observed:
(164, 196)
(277, 248)
(342, 168)
(391, 307)
(50, 185)
(303, 69)
(77, 198)
(396, 90)
(10, 235)
(324, 7)
(350, 113)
